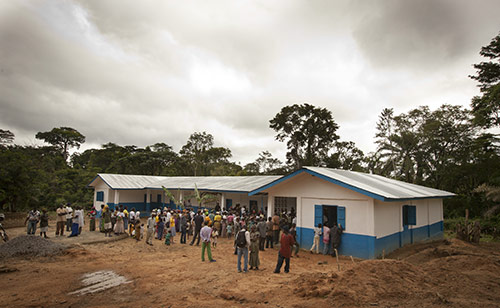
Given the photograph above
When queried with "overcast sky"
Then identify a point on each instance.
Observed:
(142, 72)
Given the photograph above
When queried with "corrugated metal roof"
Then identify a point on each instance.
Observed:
(375, 186)
(212, 183)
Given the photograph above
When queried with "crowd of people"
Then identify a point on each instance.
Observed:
(251, 232)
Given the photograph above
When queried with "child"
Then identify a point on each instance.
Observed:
(167, 238)
(44, 223)
(317, 235)
(215, 235)
(326, 239)
(229, 229)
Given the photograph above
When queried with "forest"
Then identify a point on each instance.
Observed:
(452, 148)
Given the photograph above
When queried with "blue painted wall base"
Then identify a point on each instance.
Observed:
(370, 247)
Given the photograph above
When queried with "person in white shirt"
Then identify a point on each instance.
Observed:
(81, 221)
(69, 216)
(317, 235)
(151, 229)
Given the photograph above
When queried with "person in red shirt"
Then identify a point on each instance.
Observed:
(285, 251)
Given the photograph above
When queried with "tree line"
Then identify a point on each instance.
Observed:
(450, 148)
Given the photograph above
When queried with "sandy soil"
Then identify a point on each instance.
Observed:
(449, 274)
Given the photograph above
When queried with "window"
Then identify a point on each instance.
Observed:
(285, 204)
(409, 215)
(100, 196)
(329, 215)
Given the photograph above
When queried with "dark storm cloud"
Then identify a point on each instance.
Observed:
(137, 74)
(424, 34)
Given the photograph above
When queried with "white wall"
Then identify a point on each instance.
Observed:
(310, 190)
(137, 196)
(389, 215)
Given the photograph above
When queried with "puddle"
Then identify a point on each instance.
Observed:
(100, 281)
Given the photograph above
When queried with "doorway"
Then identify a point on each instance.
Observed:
(253, 206)
(330, 215)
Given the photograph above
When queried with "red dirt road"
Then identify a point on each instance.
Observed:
(451, 274)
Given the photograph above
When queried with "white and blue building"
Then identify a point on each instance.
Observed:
(378, 214)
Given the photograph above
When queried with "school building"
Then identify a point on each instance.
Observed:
(378, 214)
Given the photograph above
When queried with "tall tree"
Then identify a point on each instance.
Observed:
(310, 133)
(486, 107)
(203, 158)
(385, 149)
(62, 138)
(346, 156)
(195, 149)
(6, 137)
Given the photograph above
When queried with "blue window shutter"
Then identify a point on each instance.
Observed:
(158, 198)
(341, 216)
(318, 214)
(145, 198)
(412, 215)
(100, 196)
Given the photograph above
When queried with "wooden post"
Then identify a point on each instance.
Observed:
(383, 254)
(337, 256)
(467, 231)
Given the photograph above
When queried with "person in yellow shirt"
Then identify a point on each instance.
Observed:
(125, 219)
(172, 228)
(208, 221)
(217, 222)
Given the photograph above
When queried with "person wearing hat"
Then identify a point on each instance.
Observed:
(285, 251)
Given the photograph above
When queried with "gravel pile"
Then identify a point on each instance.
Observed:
(30, 246)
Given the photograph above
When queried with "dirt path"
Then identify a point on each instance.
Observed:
(440, 274)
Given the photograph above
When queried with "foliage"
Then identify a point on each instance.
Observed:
(62, 138)
(486, 108)
(265, 164)
(310, 133)
(6, 137)
(346, 156)
(202, 197)
(202, 158)
(172, 197)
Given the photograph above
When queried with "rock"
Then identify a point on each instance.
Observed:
(30, 246)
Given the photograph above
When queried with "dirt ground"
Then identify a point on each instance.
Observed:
(438, 274)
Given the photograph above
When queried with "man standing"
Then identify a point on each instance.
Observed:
(276, 227)
(32, 220)
(198, 222)
(151, 229)
(335, 237)
(242, 243)
(205, 234)
(261, 226)
(269, 233)
(183, 225)
(69, 217)
(60, 220)
(285, 251)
